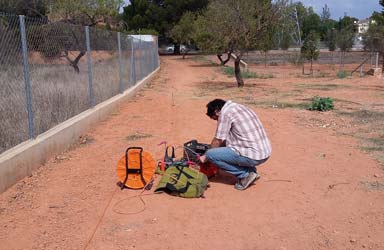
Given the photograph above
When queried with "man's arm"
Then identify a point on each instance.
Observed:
(214, 144)
(217, 143)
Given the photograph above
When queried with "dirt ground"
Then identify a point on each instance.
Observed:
(319, 190)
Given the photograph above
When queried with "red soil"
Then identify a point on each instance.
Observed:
(311, 195)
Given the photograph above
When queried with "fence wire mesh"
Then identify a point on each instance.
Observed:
(13, 106)
(61, 75)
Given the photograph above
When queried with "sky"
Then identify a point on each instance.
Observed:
(354, 8)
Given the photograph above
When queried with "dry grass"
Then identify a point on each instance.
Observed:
(58, 93)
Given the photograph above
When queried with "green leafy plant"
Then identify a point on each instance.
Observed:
(343, 74)
(321, 103)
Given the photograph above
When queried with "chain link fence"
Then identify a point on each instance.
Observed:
(52, 71)
(280, 57)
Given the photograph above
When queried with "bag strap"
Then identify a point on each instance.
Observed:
(173, 152)
(184, 189)
(168, 160)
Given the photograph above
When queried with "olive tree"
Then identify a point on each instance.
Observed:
(80, 12)
(236, 26)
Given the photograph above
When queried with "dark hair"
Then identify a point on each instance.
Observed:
(214, 105)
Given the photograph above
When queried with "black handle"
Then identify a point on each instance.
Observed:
(133, 170)
(173, 152)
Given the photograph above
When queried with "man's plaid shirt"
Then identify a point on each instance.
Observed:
(242, 130)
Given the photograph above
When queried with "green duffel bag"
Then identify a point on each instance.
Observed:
(182, 181)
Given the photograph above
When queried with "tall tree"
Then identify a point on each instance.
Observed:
(327, 26)
(183, 31)
(159, 15)
(325, 14)
(311, 23)
(344, 41)
(330, 39)
(303, 14)
(310, 50)
(348, 23)
(285, 26)
(346, 30)
(235, 26)
(266, 44)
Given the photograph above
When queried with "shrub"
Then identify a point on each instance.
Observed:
(343, 74)
(321, 103)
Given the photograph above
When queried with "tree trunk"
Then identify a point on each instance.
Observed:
(265, 59)
(176, 50)
(220, 59)
(74, 63)
(382, 67)
(239, 79)
(228, 58)
(311, 67)
(185, 52)
(223, 62)
(303, 70)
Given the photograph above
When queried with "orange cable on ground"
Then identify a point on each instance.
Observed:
(101, 218)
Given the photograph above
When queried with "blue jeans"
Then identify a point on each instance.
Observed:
(230, 161)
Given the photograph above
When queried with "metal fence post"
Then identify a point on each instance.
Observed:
(88, 43)
(140, 60)
(120, 62)
(26, 77)
(153, 56)
(157, 52)
(377, 60)
(133, 73)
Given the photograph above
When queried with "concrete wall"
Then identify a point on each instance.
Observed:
(20, 161)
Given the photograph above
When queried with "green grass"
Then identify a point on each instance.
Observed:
(373, 185)
(379, 141)
(230, 71)
(325, 86)
(374, 144)
(278, 104)
(203, 59)
(343, 74)
(371, 133)
(372, 149)
(365, 115)
(346, 101)
(137, 136)
(322, 74)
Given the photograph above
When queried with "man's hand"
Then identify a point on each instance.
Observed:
(217, 143)
(203, 159)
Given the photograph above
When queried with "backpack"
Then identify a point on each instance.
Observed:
(180, 180)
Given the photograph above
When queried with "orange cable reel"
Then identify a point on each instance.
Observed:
(135, 169)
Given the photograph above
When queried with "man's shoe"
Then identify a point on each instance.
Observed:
(245, 182)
